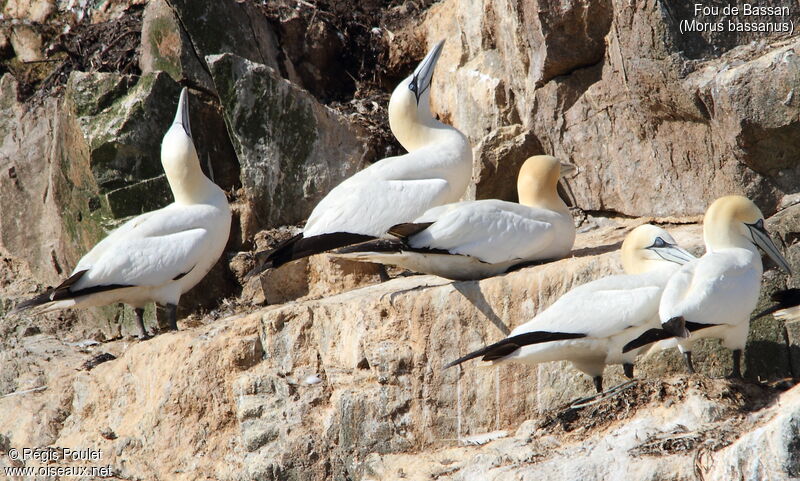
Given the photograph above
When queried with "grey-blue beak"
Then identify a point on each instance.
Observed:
(423, 74)
(673, 253)
(762, 239)
(182, 115)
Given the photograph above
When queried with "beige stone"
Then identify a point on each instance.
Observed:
(27, 43)
(35, 11)
(658, 123)
(355, 379)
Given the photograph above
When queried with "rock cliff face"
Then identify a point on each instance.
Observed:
(318, 371)
(616, 87)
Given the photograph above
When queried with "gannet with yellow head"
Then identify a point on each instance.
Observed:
(394, 190)
(589, 324)
(475, 239)
(713, 296)
(159, 255)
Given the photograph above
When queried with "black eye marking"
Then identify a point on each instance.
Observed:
(412, 86)
(659, 243)
(757, 225)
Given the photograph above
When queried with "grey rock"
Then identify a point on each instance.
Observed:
(660, 123)
(166, 46)
(227, 26)
(291, 149)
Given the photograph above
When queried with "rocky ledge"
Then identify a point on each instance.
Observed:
(351, 386)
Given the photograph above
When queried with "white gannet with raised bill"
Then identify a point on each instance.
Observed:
(394, 190)
(475, 239)
(159, 255)
(713, 296)
(589, 324)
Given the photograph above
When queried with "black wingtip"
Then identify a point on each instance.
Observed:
(60, 292)
(259, 268)
(647, 337)
(508, 345)
(299, 247)
(675, 327)
(783, 299)
(787, 297)
(377, 245)
(42, 298)
(407, 229)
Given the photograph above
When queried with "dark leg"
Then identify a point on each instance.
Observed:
(737, 364)
(172, 317)
(383, 274)
(628, 368)
(688, 357)
(598, 383)
(140, 322)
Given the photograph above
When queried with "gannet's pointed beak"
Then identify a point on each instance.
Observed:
(568, 169)
(182, 115)
(423, 74)
(762, 239)
(673, 253)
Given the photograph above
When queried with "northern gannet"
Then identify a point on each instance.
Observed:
(394, 190)
(713, 296)
(159, 255)
(475, 239)
(589, 324)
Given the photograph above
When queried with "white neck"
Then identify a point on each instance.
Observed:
(721, 235)
(189, 186)
(413, 124)
(544, 198)
(181, 165)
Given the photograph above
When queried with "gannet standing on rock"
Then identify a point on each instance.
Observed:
(589, 324)
(394, 190)
(475, 239)
(713, 296)
(157, 256)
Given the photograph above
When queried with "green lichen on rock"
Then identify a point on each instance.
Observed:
(110, 151)
(227, 26)
(166, 47)
(150, 194)
(124, 133)
(291, 149)
(163, 44)
(90, 93)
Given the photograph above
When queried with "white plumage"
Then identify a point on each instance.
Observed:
(589, 324)
(399, 189)
(474, 239)
(159, 255)
(713, 296)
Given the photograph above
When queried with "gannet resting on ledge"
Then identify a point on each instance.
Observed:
(157, 256)
(713, 296)
(475, 239)
(589, 324)
(394, 190)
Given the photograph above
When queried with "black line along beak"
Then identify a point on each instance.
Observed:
(671, 252)
(423, 74)
(762, 239)
(567, 169)
(182, 115)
